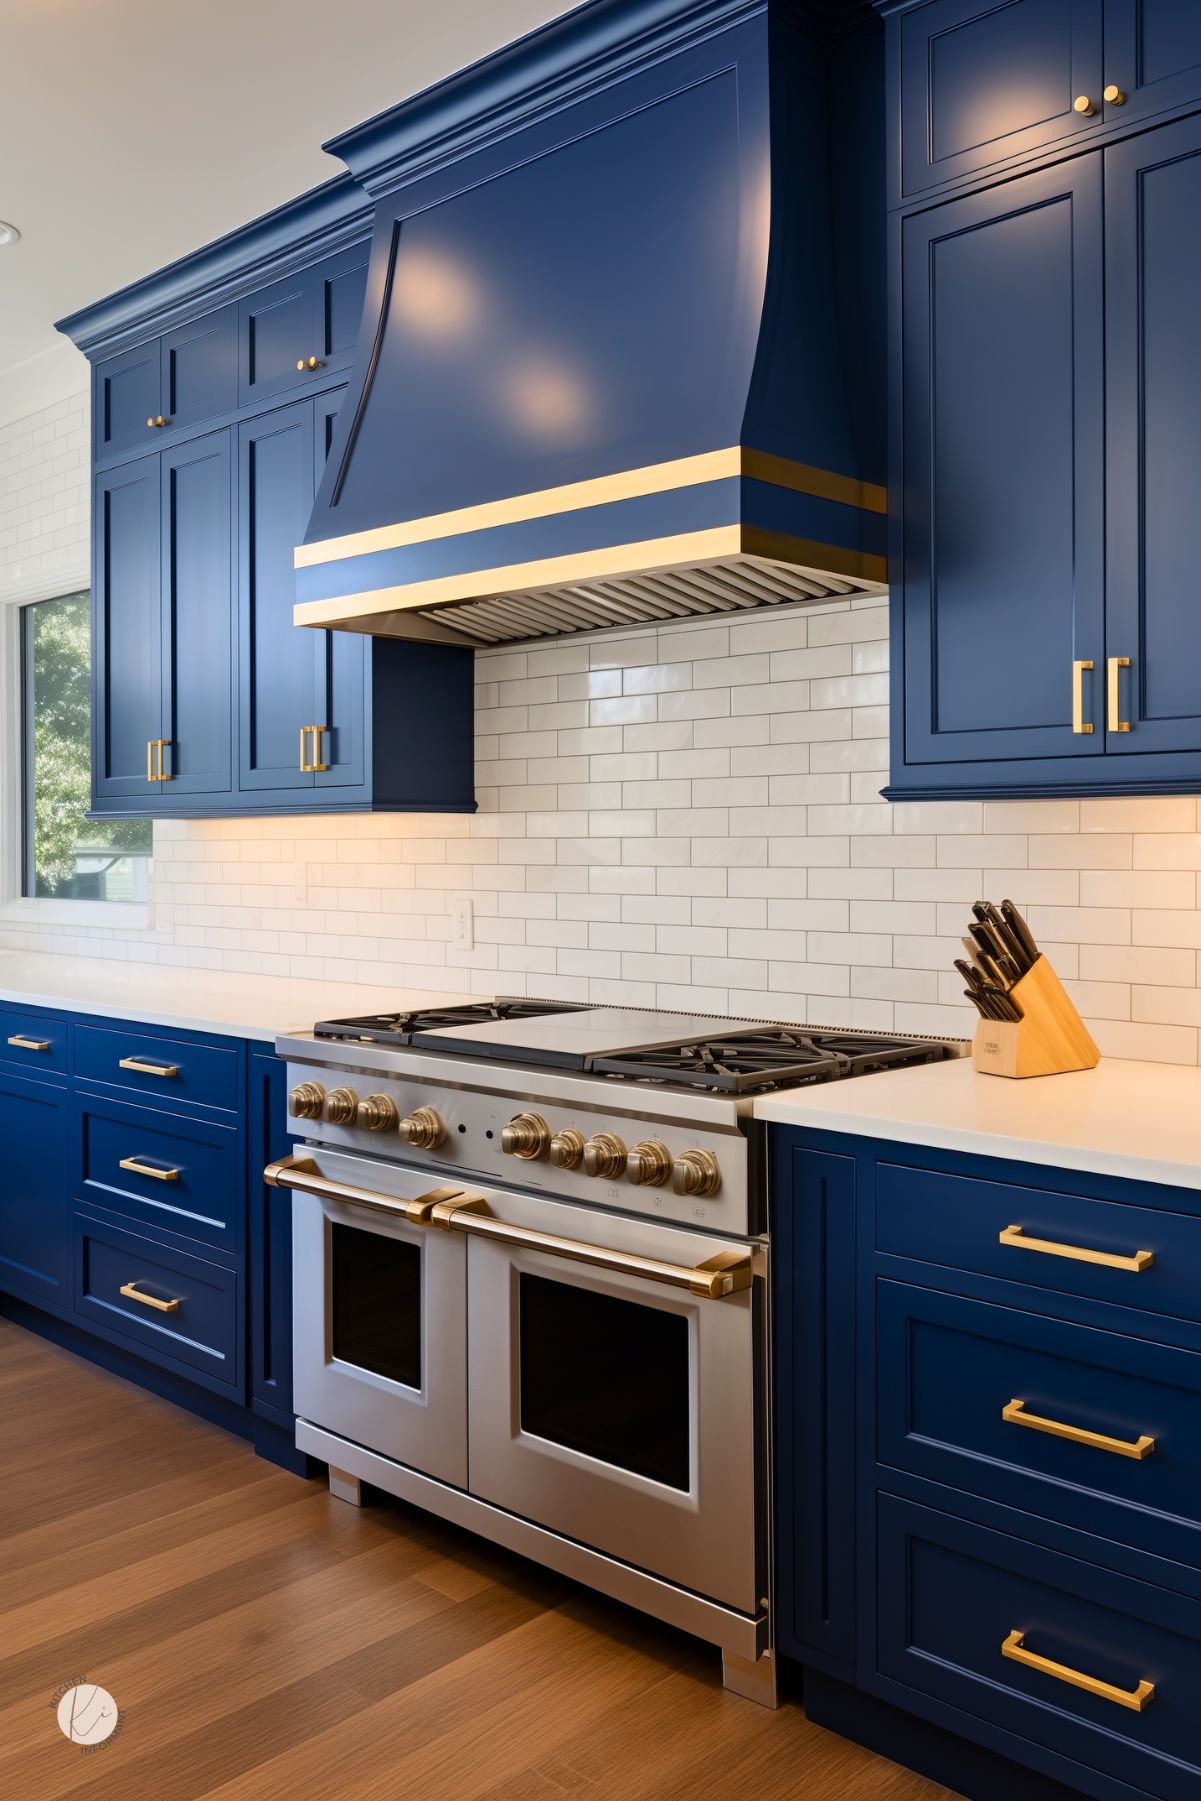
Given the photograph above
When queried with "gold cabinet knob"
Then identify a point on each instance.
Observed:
(155, 421)
(423, 1129)
(305, 1102)
(567, 1148)
(1084, 106)
(696, 1172)
(303, 363)
(527, 1136)
(342, 1107)
(1114, 95)
(377, 1113)
(604, 1155)
(649, 1163)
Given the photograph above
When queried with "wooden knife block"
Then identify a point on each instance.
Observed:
(1048, 1040)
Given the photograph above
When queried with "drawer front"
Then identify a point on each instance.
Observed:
(951, 1594)
(33, 1042)
(195, 1325)
(957, 1221)
(170, 1172)
(1117, 1450)
(164, 1071)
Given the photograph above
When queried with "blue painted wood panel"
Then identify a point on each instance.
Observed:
(195, 1071)
(42, 1044)
(35, 1191)
(269, 1247)
(127, 636)
(198, 618)
(200, 369)
(1002, 554)
(313, 312)
(203, 1201)
(343, 660)
(1153, 53)
(126, 397)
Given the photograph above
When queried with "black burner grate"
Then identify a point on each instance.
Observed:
(773, 1057)
(400, 1028)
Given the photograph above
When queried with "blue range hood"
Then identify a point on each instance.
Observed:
(620, 354)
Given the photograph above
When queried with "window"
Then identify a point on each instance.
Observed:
(66, 855)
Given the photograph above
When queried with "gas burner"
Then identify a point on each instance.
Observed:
(773, 1057)
(401, 1028)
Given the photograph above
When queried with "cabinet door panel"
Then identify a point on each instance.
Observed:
(278, 679)
(1153, 53)
(1153, 277)
(197, 587)
(35, 1191)
(276, 328)
(270, 1243)
(341, 658)
(126, 394)
(200, 368)
(980, 83)
(1003, 475)
(127, 701)
(339, 285)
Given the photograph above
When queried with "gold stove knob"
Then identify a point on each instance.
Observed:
(422, 1129)
(696, 1172)
(378, 1113)
(305, 1102)
(604, 1155)
(567, 1148)
(527, 1136)
(649, 1163)
(342, 1107)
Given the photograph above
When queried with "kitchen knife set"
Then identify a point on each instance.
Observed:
(1000, 951)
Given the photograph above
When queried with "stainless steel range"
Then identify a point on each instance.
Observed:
(530, 1285)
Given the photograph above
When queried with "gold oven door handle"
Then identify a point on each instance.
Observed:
(723, 1274)
(29, 1044)
(1136, 1699)
(1080, 725)
(302, 1173)
(1014, 1414)
(1116, 722)
(139, 1168)
(148, 1069)
(1016, 1239)
(133, 1293)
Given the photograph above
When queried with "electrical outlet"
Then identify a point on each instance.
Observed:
(462, 923)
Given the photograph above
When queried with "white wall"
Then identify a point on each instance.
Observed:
(682, 818)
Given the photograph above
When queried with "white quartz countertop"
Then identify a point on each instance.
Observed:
(1137, 1120)
(195, 1000)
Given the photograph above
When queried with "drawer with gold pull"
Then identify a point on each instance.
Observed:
(1081, 1660)
(165, 1072)
(175, 1308)
(36, 1043)
(1147, 1258)
(1095, 1429)
(171, 1172)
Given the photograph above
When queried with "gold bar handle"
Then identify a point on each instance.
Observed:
(150, 744)
(302, 1173)
(306, 767)
(315, 763)
(29, 1044)
(1136, 1699)
(1017, 1240)
(164, 775)
(1080, 725)
(134, 1293)
(1116, 722)
(148, 1169)
(723, 1274)
(148, 1069)
(1014, 1414)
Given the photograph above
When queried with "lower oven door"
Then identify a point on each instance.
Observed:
(379, 1334)
(613, 1408)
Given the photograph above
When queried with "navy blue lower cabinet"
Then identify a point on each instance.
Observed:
(35, 1191)
(170, 1172)
(270, 1244)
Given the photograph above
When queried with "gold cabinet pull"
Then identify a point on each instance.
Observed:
(1080, 725)
(155, 420)
(310, 759)
(148, 1169)
(1014, 1414)
(148, 1069)
(309, 362)
(150, 744)
(1017, 1240)
(1084, 106)
(1116, 722)
(29, 1044)
(134, 1293)
(164, 744)
(1114, 95)
(1136, 1699)
(302, 1173)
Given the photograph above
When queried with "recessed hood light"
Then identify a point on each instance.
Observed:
(8, 233)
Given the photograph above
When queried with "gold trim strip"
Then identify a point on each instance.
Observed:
(627, 484)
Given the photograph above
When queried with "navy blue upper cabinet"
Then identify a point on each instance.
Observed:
(199, 363)
(196, 511)
(126, 399)
(1153, 53)
(1002, 574)
(127, 637)
(303, 327)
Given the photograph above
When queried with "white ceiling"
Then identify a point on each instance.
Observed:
(133, 131)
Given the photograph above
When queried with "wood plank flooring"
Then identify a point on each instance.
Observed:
(266, 1641)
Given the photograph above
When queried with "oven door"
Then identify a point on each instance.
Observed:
(379, 1335)
(612, 1407)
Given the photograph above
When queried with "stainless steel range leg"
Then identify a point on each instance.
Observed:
(345, 1487)
(754, 1681)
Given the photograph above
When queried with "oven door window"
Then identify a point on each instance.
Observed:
(376, 1303)
(606, 1377)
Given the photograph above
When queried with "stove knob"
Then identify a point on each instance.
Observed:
(306, 1101)
(342, 1107)
(527, 1136)
(604, 1155)
(567, 1148)
(696, 1172)
(377, 1113)
(423, 1129)
(649, 1164)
